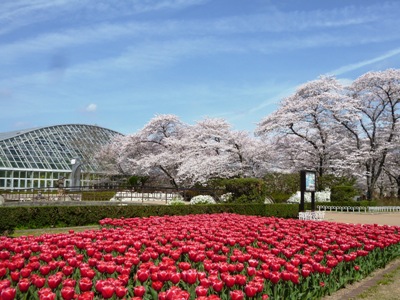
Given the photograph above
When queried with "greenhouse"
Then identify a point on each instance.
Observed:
(44, 157)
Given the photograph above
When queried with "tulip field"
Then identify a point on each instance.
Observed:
(217, 256)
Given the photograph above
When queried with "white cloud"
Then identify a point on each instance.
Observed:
(21, 13)
(91, 107)
(361, 64)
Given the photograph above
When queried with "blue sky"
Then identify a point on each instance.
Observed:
(118, 63)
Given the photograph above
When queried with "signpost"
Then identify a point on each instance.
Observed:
(75, 177)
(308, 181)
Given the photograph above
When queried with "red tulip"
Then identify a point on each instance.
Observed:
(250, 290)
(121, 291)
(85, 284)
(189, 276)
(54, 281)
(230, 281)
(275, 277)
(107, 291)
(46, 294)
(217, 285)
(175, 278)
(201, 291)
(8, 293)
(139, 291)
(23, 285)
(157, 285)
(14, 276)
(68, 293)
(294, 277)
(44, 270)
(25, 272)
(240, 279)
(143, 275)
(251, 271)
(86, 296)
(236, 295)
(38, 281)
(67, 270)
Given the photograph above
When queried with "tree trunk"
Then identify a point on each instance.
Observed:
(398, 187)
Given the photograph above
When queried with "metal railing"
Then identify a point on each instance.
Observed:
(119, 196)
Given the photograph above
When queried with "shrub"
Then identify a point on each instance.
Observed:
(245, 190)
(97, 195)
(343, 193)
(177, 200)
(281, 186)
(227, 197)
(202, 199)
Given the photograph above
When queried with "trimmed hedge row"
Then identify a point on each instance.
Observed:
(66, 216)
(97, 196)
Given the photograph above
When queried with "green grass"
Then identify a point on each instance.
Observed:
(55, 230)
(387, 279)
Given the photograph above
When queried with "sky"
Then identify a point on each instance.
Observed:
(117, 64)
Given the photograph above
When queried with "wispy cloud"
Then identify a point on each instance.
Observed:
(364, 63)
(16, 14)
(271, 22)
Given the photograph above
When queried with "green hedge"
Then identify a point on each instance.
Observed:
(97, 196)
(66, 216)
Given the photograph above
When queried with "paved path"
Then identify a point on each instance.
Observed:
(364, 218)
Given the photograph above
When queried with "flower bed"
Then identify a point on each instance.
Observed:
(219, 256)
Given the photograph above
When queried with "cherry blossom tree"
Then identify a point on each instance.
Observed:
(187, 154)
(305, 122)
(214, 150)
(392, 171)
(371, 118)
(154, 151)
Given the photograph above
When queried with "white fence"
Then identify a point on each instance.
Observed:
(384, 208)
(319, 215)
(342, 208)
(140, 197)
(365, 209)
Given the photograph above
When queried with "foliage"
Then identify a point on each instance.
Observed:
(97, 195)
(178, 200)
(136, 181)
(343, 193)
(227, 197)
(329, 181)
(244, 190)
(67, 216)
(280, 186)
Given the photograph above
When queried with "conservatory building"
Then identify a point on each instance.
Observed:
(44, 157)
